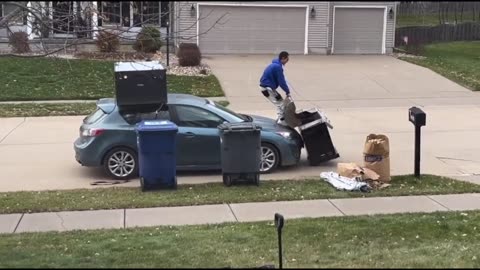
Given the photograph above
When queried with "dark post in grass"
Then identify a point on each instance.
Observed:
(279, 220)
(418, 118)
(168, 43)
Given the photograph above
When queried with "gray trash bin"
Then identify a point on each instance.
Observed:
(240, 152)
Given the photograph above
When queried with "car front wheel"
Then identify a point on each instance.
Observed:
(270, 158)
(121, 163)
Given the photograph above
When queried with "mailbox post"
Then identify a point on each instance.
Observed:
(418, 118)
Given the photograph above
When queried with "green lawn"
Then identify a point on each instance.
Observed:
(46, 109)
(457, 61)
(435, 240)
(50, 79)
(53, 109)
(415, 20)
(216, 193)
(430, 19)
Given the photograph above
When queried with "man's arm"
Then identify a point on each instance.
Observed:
(281, 80)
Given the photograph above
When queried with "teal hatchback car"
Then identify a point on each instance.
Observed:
(108, 138)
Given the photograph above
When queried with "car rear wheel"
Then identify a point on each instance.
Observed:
(270, 158)
(121, 163)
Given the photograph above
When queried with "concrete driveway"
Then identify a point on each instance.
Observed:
(340, 82)
(360, 94)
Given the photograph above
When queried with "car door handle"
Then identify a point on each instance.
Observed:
(189, 135)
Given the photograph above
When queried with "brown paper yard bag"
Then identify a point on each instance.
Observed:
(376, 155)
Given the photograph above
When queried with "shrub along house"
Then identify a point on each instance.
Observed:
(254, 27)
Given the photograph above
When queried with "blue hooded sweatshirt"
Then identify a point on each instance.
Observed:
(273, 76)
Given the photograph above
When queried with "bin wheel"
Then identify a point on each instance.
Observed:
(257, 179)
(174, 186)
(142, 184)
(227, 180)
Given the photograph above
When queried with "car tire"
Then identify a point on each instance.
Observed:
(121, 163)
(270, 158)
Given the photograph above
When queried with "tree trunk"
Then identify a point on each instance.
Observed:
(439, 12)
(462, 5)
(440, 6)
(446, 12)
(456, 8)
(473, 8)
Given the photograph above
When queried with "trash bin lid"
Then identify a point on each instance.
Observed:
(157, 125)
(242, 126)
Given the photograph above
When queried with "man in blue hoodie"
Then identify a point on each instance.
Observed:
(271, 79)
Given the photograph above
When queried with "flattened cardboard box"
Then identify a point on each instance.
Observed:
(352, 170)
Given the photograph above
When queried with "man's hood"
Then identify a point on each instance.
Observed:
(277, 61)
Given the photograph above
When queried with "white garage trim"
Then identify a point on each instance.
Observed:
(384, 24)
(305, 51)
(328, 26)
(254, 5)
(198, 27)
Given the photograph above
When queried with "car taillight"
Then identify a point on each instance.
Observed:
(92, 132)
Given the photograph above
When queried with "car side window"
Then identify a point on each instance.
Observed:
(135, 118)
(189, 116)
(162, 115)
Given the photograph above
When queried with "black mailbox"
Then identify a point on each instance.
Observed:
(417, 116)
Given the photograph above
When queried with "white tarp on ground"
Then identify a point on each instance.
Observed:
(343, 183)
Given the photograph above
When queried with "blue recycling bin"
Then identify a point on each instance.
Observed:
(156, 141)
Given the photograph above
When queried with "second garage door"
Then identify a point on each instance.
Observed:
(358, 31)
(251, 30)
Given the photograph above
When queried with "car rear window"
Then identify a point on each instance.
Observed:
(94, 117)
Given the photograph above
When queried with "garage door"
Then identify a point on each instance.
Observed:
(251, 30)
(358, 31)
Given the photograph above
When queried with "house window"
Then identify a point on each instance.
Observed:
(150, 13)
(164, 13)
(63, 17)
(111, 12)
(144, 13)
(115, 13)
(19, 19)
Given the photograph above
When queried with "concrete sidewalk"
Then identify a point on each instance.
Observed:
(243, 212)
